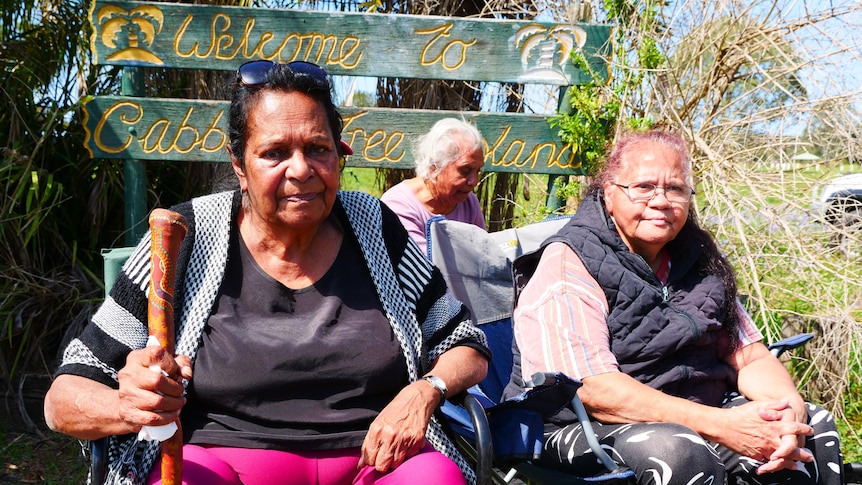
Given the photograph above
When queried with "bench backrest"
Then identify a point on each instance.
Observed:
(135, 34)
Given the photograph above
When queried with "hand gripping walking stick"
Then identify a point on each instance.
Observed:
(167, 230)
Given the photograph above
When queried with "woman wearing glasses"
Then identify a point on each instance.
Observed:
(316, 341)
(634, 298)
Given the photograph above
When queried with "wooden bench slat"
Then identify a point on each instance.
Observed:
(184, 129)
(378, 45)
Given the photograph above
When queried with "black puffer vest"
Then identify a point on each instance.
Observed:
(668, 337)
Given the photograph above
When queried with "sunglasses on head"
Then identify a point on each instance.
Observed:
(253, 73)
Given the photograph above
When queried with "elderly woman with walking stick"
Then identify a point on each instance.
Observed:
(315, 340)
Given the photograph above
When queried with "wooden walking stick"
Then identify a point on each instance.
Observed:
(167, 230)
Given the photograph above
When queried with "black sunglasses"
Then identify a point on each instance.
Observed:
(253, 73)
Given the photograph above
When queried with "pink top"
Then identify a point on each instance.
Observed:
(414, 215)
(560, 320)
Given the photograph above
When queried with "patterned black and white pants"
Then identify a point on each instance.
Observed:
(672, 454)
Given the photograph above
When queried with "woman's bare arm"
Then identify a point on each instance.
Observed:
(87, 409)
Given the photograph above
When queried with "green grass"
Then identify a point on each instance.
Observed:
(781, 251)
(361, 179)
(53, 459)
(850, 428)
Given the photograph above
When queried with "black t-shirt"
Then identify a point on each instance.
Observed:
(293, 369)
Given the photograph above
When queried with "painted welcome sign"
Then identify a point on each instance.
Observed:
(377, 45)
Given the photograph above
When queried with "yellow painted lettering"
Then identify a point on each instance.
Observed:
(194, 50)
(441, 31)
(223, 40)
(326, 42)
(316, 47)
(184, 126)
(377, 137)
(220, 135)
(536, 152)
(513, 152)
(349, 54)
(427, 58)
(241, 45)
(293, 36)
(138, 113)
(393, 143)
(350, 137)
(350, 134)
(258, 50)
(565, 159)
(158, 129)
(492, 149)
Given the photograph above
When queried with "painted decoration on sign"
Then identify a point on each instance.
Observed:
(131, 32)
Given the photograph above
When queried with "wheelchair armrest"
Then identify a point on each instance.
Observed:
(590, 435)
(789, 343)
(540, 379)
(478, 441)
(98, 460)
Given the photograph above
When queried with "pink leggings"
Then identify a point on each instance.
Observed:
(243, 466)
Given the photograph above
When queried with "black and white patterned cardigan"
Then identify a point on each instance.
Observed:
(411, 290)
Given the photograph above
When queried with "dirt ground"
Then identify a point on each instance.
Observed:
(29, 451)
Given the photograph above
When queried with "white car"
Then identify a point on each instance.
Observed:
(839, 202)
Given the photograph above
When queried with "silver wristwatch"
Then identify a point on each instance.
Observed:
(438, 384)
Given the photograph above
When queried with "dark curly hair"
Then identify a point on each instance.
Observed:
(711, 261)
(279, 78)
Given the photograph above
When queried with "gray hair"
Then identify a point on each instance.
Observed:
(442, 145)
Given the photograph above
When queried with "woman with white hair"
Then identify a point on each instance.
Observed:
(448, 160)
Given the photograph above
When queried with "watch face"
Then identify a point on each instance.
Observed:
(437, 383)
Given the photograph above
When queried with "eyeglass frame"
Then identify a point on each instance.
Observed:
(298, 67)
(654, 192)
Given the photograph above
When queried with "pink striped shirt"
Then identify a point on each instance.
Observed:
(560, 319)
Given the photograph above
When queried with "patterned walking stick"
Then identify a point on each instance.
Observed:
(167, 230)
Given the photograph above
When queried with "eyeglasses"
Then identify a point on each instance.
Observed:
(253, 73)
(643, 192)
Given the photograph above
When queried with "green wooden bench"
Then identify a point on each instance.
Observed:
(140, 129)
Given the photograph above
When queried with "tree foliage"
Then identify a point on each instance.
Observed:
(45, 235)
(60, 205)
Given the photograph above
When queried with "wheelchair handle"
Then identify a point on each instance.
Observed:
(789, 343)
